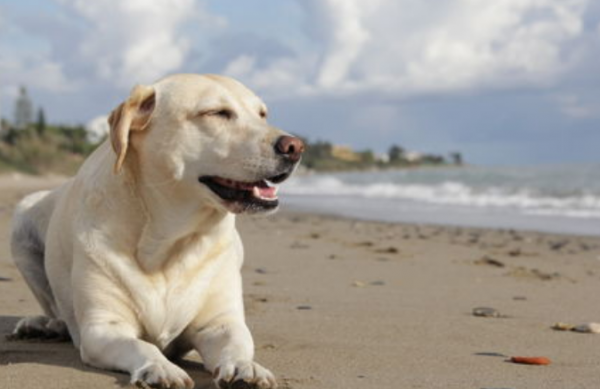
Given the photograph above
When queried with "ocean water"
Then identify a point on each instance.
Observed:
(559, 199)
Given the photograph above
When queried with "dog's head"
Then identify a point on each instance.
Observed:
(208, 136)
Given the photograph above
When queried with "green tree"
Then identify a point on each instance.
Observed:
(457, 158)
(40, 125)
(396, 153)
(367, 157)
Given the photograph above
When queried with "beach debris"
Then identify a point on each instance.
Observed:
(520, 298)
(491, 354)
(560, 326)
(388, 250)
(486, 312)
(558, 244)
(377, 283)
(5, 279)
(315, 235)
(523, 272)
(540, 361)
(261, 270)
(304, 307)
(366, 243)
(359, 284)
(515, 252)
(590, 328)
(485, 260)
(586, 328)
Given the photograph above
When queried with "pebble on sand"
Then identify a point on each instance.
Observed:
(485, 260)
(486, 312)
(590, 328)
(388, 250)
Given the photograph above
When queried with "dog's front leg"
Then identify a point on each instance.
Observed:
(227, 350)
(114, 345)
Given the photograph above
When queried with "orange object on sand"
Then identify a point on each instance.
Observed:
(531, 360)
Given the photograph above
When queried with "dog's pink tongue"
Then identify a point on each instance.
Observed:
(266, 192)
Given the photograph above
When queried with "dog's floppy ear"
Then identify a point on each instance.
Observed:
(132, 115)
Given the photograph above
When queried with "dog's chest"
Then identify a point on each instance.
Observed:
(171, 302)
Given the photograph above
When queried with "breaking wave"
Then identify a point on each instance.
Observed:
(453, 193)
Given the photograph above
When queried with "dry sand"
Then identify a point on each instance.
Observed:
(336, 303)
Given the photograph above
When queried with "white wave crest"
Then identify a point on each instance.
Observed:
(452, 193)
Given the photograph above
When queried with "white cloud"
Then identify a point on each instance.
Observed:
(136, 40)
(97, 128)
(423, 46)
(34, 71)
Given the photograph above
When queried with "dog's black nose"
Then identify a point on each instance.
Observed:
(289, 147)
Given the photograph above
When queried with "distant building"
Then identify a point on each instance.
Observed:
(413, 156)
(382, 157)
(23, 109)
(345, 153)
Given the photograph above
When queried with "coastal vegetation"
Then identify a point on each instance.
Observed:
(31, 145)
(325, 156)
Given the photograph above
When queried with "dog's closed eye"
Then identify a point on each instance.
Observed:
(222, 113)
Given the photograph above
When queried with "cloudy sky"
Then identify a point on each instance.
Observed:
(503, 81)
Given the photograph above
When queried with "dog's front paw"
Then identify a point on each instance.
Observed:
(243, 375)
(162, 374)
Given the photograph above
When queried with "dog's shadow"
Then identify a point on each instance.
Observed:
(63, 354)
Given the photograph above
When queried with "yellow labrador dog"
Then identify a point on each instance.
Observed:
(137, 257)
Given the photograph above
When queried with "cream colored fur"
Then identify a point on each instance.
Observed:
(138, 259)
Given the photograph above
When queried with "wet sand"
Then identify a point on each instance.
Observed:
(339, 303)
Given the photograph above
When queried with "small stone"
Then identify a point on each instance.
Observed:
(377, 283)
(557, 245)
(589, 328)
(367, 243)
(485, 260)
(515, 252)
(388, 250)
(261, 270)
(5, 279)
(486, 312)
(304, 307)
(520, 298)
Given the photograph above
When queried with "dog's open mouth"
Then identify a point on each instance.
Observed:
(242, 196)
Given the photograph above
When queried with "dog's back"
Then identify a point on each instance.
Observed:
(30, 223)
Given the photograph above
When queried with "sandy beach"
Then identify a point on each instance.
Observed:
(339, 303)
